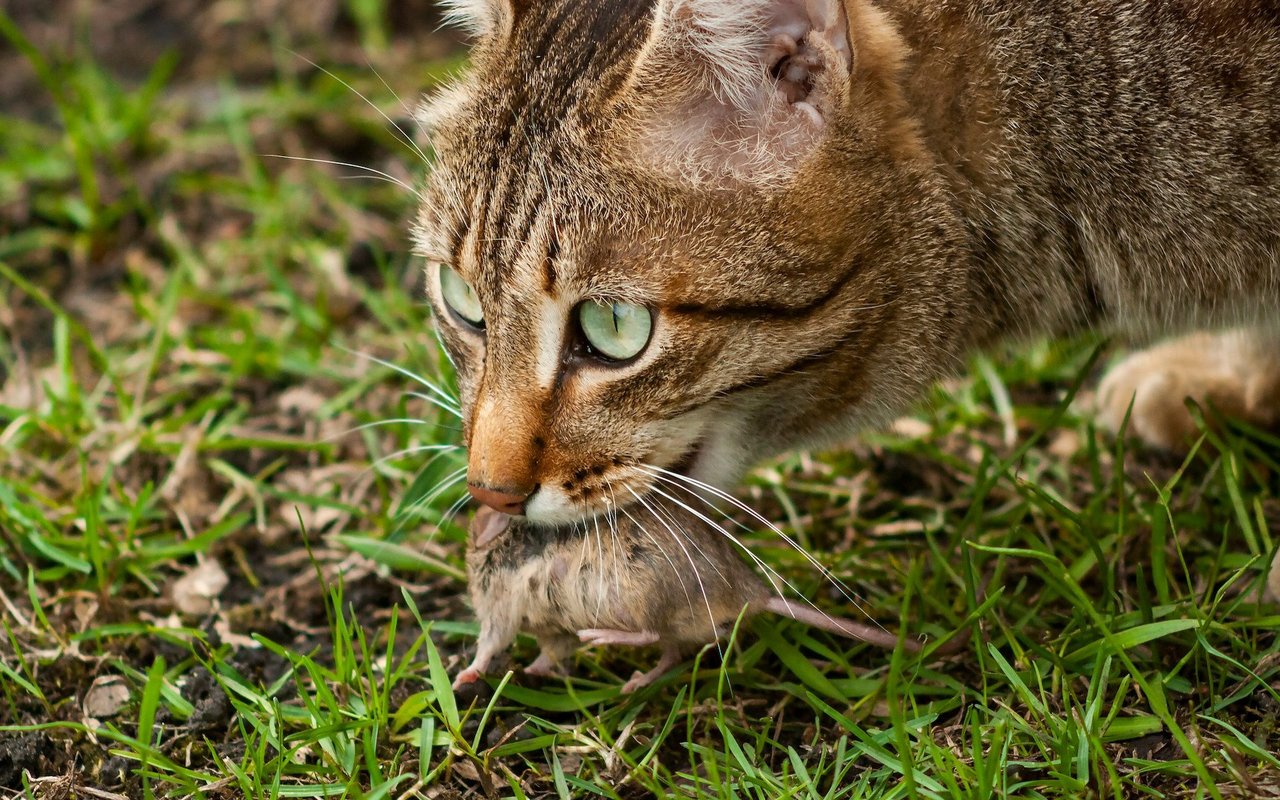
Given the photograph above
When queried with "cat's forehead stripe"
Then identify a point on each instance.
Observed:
(519, 245)
(563, 55)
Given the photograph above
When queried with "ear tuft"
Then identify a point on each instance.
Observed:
(725, 36)
(482, 17)
(476, 17)
(743, 89)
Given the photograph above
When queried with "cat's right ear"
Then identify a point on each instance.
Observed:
(483, 18)
(742, 90)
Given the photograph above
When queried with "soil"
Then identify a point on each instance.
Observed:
(210, 43)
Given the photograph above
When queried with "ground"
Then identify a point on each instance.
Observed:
(216, 580)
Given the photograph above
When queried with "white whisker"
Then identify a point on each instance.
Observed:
(438, 403)
(654, 541)
(381, 424)
(720, 493)
(407, 138)
(658, 509)
(773, 574)
(697, 573)
(755, 559)
(440, 393)
(454, 509)
(403, 136)
(440, 340)
(397, 368)
(600, 588)
(406, 514)
(440, 488)
(438, 449)
(613, 533)
(375, 174)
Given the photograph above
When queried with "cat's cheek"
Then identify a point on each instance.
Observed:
(726, 452)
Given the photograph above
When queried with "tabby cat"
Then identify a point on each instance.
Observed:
(673, 237)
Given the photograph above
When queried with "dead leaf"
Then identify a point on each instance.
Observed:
(85, 607)
(1065, 445)
(105, 697)
(904, 527)
(468, 771)
(222, 627)
(1273, 581)
(912, 428)
(301, 400)
(194, 593)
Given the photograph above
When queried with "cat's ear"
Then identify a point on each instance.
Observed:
(745, 88)
(483, 17)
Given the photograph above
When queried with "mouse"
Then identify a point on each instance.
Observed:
(676, 584)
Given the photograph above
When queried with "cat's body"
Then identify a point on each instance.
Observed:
(1116, 163)
(806, 211)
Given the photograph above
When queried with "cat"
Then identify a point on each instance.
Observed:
(669, 238)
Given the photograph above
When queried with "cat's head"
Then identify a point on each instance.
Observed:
(674, 236)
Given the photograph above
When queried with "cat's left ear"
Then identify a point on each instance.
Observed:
(745, 87)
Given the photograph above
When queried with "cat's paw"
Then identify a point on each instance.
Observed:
(1230, 372)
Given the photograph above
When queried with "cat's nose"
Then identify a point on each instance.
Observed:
(507, 502)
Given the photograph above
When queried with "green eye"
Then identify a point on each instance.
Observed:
(460, 297)
(617, 331)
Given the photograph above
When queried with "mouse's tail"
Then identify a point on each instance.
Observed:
(872, 634)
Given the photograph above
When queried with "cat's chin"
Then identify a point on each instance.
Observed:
(552, 508)
(708, 467)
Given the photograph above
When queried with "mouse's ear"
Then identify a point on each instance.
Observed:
(484, 17)
(743, 88)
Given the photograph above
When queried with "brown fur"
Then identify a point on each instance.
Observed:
(983, 169)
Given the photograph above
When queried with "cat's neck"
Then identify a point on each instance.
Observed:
(956, 81)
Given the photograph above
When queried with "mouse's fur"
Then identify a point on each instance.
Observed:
(676, 586)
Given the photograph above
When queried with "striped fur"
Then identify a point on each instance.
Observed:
(948, 174)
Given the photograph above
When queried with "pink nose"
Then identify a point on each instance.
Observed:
(505, 502)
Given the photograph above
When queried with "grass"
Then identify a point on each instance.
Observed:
(184, 402)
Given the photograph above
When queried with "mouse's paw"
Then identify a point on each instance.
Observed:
(603, 636)
(467, 677)
(640, 680)
(670, 658)
(1235, 373)
(544, 667)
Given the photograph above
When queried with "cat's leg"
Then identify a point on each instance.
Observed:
(1236, 372)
